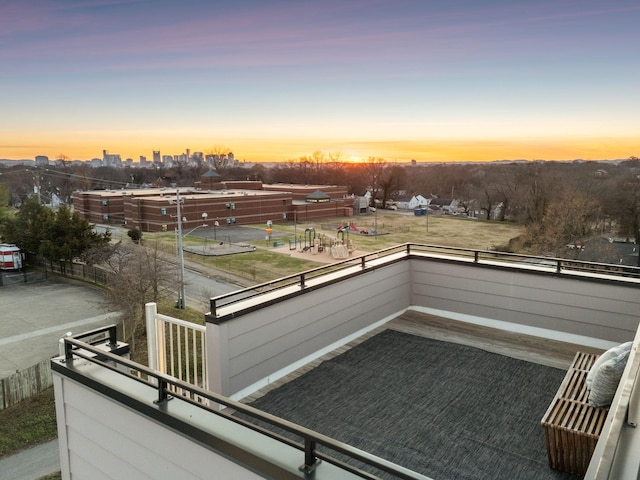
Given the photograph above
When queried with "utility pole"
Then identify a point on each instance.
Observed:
(36, 180)
(181, 295)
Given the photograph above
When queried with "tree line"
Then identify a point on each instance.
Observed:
(557, 203)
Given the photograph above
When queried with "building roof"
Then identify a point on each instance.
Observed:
(318, 197)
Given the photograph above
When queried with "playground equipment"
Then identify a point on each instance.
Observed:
(339, 250)
(309, 237)
(339, 247)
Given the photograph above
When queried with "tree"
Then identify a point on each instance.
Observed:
(63, 183)
(568, 219)
(626, 207)
(68, 236)
(5, 211)
(392, 180)
(135, 235)
(375, 169)
(19, 183)
(58, 236)
(139, 275)
(29, 225)
(219, 158)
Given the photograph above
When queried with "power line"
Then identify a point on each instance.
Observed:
(54, 173)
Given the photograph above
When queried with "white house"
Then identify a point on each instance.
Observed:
(411, 202)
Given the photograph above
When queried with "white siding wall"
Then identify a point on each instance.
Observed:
(248, 350)
(252, 350)
(101, 439)
(591, 309)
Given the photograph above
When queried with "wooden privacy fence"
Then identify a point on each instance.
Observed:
(86, 272)
(25, 384)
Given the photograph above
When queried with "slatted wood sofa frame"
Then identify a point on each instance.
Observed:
(572, 426)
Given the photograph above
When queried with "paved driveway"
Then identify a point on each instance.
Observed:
(34, 316)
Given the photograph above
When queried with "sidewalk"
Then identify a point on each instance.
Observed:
(32, 463)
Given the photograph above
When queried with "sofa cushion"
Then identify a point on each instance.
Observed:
(606, 377)
(608, 355)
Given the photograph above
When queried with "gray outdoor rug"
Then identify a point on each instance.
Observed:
(448, 411)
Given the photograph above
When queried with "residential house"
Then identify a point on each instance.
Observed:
(411, 202)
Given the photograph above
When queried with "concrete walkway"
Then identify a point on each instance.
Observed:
(32, 463)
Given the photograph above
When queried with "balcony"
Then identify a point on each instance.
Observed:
(257, 337)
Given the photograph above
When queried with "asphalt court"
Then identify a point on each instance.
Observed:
(34, 316)
(233, 233)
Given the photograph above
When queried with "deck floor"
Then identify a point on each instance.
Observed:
(533, 349)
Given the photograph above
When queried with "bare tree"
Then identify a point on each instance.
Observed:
(626, 208)
(375, 169)
(568, 219)
(391, 182)
(219, 158)
(139, 274)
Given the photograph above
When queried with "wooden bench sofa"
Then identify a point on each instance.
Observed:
(572, 426)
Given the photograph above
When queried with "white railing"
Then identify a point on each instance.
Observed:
(177, 348)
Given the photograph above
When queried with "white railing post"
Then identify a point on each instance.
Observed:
(150, 312)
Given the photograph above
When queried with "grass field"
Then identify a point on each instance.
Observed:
(395, 228)
(266, 264)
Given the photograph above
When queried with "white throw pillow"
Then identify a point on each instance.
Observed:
(606, 379)
(606, 356)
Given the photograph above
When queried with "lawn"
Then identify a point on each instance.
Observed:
(266, 264)
(29, 423)
(395, 228)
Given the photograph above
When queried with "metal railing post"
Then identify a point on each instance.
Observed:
(68, 351)
(310, 460)
(163, 394)
(302, 281)
(113, 336)
(62, 345)
(212, 307)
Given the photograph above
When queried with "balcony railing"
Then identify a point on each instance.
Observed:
(226, 306)
(176, 347)
(166, 386)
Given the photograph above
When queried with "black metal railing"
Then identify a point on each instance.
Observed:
(362, 264)
(309, 442)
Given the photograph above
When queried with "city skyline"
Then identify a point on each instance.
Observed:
(278, 80)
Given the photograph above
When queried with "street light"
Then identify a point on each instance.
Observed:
(181, 294)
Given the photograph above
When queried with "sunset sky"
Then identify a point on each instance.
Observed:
(276, 80)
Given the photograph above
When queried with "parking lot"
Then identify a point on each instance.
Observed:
(34, 316)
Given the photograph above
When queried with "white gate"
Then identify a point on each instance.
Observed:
(177, 348)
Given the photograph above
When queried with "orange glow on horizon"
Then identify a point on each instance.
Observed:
(282, 150)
